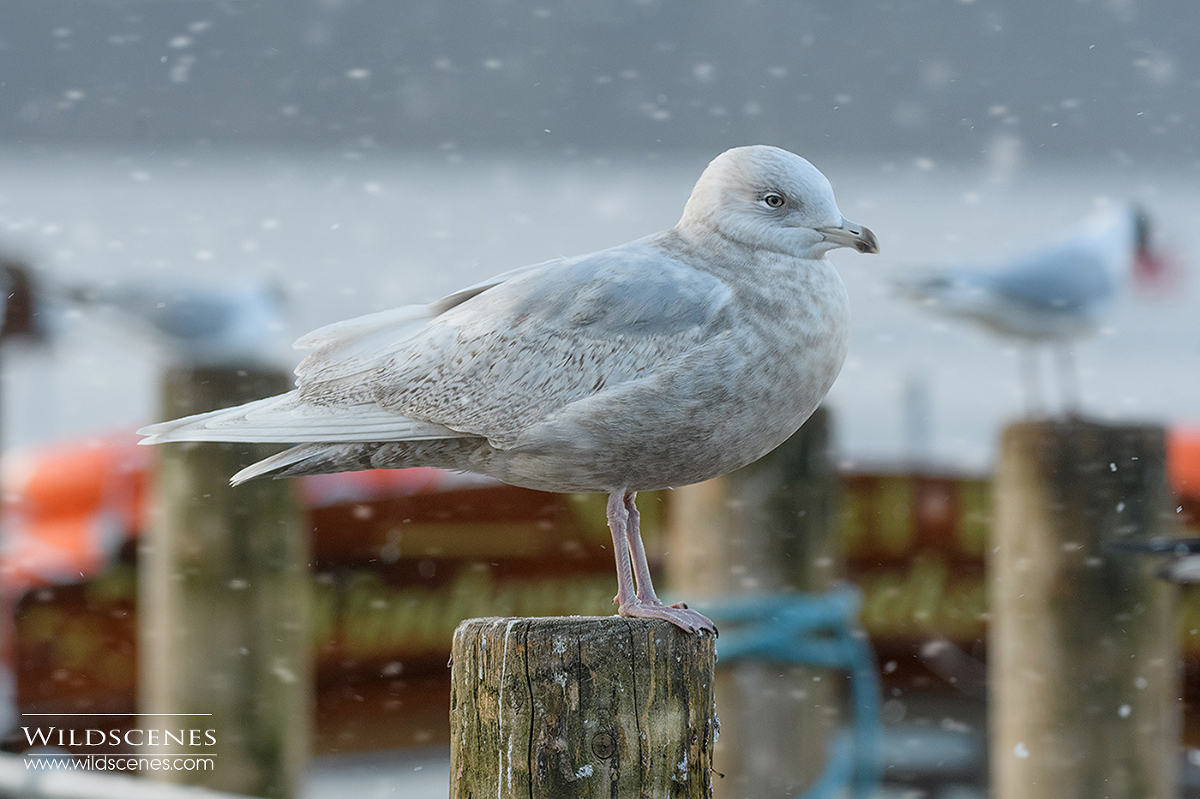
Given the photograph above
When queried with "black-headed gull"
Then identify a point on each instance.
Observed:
(198, 322)
(1052, 295)
(666, 361)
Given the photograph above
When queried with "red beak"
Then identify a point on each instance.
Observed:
(1156, 272)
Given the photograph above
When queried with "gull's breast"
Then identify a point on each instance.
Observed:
(719, 407)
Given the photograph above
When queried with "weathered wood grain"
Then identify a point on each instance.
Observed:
(550, 708)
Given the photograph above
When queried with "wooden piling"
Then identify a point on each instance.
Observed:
(1082, 658)
(766, 528)
(223, 600)
(594, 708)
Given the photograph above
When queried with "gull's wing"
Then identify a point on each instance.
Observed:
(1067, 279)
(1072, 278)
(287, 419)
(346, 352)
(516, 350)
(344, 348)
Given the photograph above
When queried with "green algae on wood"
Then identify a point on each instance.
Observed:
(547, 708)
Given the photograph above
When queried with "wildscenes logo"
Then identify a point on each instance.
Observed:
(57, 736)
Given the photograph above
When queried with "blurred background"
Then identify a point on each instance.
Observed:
(258, 169)
(364, 155)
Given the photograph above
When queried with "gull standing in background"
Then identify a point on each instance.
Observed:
(199, 323)
(1053, 295)
(666, 361)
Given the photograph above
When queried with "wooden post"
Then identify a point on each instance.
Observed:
(766, 528)
(593, 708)
(1082, 652)
(223, 600)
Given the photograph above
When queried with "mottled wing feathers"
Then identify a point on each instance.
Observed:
(346, 351)
(505, 358)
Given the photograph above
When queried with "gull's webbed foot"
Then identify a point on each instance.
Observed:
(678, 614)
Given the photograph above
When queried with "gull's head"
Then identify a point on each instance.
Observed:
(768, 198)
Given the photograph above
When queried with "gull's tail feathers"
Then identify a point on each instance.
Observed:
(460, 453)
(287, 419)
(947, 291)
(279, 465)
(921, 285)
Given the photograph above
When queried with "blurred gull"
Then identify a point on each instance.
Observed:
(666, 361)
(1181, 556)
(1052, 295)
(198, 322)
(21, 300)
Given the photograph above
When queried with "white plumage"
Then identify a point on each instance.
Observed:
(1051, 295)
(665, 361)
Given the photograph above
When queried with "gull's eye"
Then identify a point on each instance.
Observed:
(774, 200)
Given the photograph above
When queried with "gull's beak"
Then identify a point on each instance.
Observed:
(851, 234)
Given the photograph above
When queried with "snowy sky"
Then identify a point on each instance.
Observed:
(956, 79)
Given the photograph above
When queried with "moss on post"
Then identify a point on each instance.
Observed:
(581, 707)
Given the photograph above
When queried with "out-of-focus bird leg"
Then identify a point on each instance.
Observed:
(623, 517)
(1068, 379)
(1031, 381)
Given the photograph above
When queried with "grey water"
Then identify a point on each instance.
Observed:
(350, 232)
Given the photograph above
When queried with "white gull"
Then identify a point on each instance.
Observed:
(666, 361)
(1050, 295)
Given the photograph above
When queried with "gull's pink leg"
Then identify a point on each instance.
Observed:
(637, 552)
(618, 523)
(645, 604)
